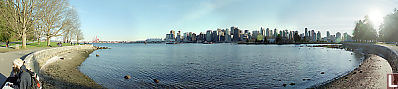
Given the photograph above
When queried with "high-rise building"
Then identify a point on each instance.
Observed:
(227, 35)
(267, 33)
(236, 34)
(208, 36)
(173, 34)
(318, 35)
(275, 33)
(262, 31)
(306, 32)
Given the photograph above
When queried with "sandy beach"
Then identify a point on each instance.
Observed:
(64, 73)
(372, 74)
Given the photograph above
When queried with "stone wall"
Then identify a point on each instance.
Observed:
(390, 55)
(37, 59)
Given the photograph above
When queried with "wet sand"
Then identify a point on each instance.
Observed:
(64, 73)
(372, 74)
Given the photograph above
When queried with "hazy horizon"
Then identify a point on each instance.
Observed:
(141, 19)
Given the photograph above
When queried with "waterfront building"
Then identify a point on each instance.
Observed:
(227, 35)
(267, 33)
(338, 37)
(208, 36)
(306, 32)
(262, 31)
(318, 36)
(178, 38)
(255, 34)
(236, 34)
(173, 34)
(275, 33)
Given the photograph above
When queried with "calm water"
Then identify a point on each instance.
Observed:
(216, 65)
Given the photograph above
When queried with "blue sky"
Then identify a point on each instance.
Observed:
(140, 19)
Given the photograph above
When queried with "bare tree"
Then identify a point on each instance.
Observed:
(70, 30)
(19, 16)
(55, 18)
(79, 35)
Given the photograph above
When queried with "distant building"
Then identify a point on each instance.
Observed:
(236, 35)
(208, 36)
(318, 36)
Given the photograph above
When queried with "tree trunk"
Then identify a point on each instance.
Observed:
(24, 39)
(48, 40)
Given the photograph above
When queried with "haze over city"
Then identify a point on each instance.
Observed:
(142, 19)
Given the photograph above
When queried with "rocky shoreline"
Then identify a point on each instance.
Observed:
(372, 71)
(64, 73)
(371, 74)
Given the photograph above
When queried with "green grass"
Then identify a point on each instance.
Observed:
(30, 46)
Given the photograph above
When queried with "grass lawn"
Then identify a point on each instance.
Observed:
(29, 46)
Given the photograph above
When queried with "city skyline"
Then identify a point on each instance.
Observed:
(138, 20)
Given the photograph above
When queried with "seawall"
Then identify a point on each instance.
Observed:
(387, 53)
(36, 60)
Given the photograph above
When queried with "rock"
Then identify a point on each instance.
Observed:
(322, 72)
(127, 77)
(284, 85)
(62, 58)
(360, 71)
(306, 79)
(155, 80)
(292, 84)
(345, 77)
(97, 55)
(354, 72)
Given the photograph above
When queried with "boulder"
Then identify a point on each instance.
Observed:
(155, 80)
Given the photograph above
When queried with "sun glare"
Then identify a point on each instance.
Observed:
(375, 17)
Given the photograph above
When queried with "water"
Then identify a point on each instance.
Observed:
(216, 65)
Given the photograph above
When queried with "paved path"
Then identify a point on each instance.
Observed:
(7, 58)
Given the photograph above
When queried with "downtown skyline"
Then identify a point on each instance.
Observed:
(136, 20)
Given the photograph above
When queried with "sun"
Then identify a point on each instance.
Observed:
(375, 17)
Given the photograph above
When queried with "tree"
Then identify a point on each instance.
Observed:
(364, 30)
(79, 35)
(70, 30)
(55, 18)
(389, 28)
(19, 16)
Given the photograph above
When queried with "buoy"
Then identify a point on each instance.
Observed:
(127, 77)
(322, 72)
(97, 55)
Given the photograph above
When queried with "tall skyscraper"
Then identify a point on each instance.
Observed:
(267, 33)
(306, 32)
(173, 34)
(262, 31)
(275, 33)
(318, 36)
(208, 35)
(236, 34)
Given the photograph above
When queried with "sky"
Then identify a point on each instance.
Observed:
(132, 20)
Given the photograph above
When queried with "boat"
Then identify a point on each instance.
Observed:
(171, 41)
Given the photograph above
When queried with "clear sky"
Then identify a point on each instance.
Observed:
(140, 19)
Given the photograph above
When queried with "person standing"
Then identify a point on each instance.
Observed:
(7, 42)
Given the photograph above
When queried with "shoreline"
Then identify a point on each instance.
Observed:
(58, 75)
(370, 74)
